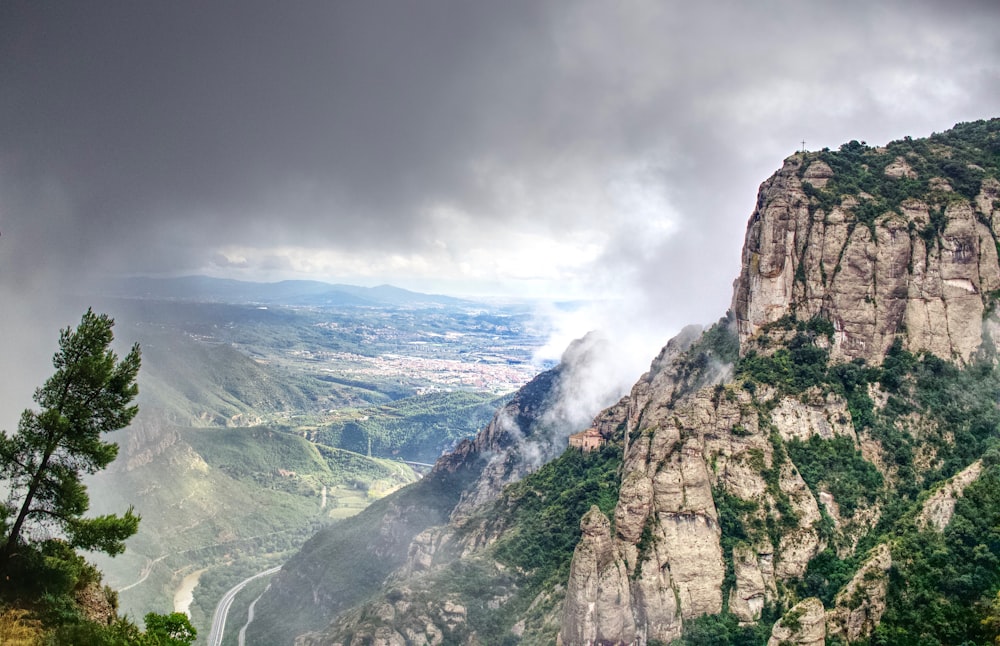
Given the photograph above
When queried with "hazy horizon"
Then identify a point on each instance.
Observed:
(585, 150)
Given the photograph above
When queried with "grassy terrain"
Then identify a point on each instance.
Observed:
(417, 428)
(254, 427)
(236, 498)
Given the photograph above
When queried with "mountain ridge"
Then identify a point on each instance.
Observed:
(773, 470)
(285, 292)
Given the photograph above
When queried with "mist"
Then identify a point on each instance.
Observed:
(583, 151)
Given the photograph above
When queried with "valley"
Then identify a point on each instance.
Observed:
(261, 424)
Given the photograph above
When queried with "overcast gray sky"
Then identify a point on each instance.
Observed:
(565, 149)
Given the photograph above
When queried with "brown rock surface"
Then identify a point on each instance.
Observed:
(803, 625)
(859, 606)
(939, 508)
(872, 282)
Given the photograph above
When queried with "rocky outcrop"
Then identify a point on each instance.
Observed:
(824, 415)
(803, 625)
(147, 438)
(533, 428)
(97, 602)
(754, 585)
(937, 510)
(899, 168)
(927, 267)
(859, 606)
(597, 611)
(682, 454)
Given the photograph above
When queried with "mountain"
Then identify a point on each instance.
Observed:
(820, 466)
(347, 562)
(259, 425)
(289, 292)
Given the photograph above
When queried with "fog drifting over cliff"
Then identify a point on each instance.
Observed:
(586, 150)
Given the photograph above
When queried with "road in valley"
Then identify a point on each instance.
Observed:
(242, 639)
(222, 609)
(146, 569)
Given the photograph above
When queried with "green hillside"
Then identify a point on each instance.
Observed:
(419, 428)
(820, 467)
(250, 439)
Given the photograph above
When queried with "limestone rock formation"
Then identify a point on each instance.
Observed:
(681, 453)
(720, 504)
(859, 606)
(938, 509)
(927, 267)
(803, 625)
(597, 608)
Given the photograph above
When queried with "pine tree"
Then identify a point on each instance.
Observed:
(91, 393)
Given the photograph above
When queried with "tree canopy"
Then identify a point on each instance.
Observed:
(91, 393)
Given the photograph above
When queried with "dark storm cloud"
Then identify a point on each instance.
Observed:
(149, 137)
(168, 127)
(221, 117)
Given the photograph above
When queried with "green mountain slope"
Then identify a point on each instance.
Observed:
(819, 467)
(239, 452)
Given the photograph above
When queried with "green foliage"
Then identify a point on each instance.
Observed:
(90, 394)
(720, 341)
(47, 568)
(836, 465)
(546, 508)
(704, 362)
(960, 405)
(170, 630)
(964, 156)
(736, 524)
(851, 380)
(826, 574)
(161, 630)
(942, 584)
(120, 633)
(723, 630)
(798, 366)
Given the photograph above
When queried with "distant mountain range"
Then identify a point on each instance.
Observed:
(307, 293)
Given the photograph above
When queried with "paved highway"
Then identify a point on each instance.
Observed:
(222, 609)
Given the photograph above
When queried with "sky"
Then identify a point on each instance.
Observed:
(591, 150)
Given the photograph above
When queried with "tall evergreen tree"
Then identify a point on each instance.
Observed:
(91, 393)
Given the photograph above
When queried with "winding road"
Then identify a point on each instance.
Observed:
(146, 569)
(222, 609)
(242, 639)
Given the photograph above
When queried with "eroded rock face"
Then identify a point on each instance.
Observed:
(97, 603)
(803, 625)
(922, 273)
(873, 281)
(825, 416)
(755, 585)
(940, 507)
(667, 562)
(597, 609)
(859, 606)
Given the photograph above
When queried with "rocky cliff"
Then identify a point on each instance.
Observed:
(848, 256)
(798, 473)
(433, 520)
(916, 257)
